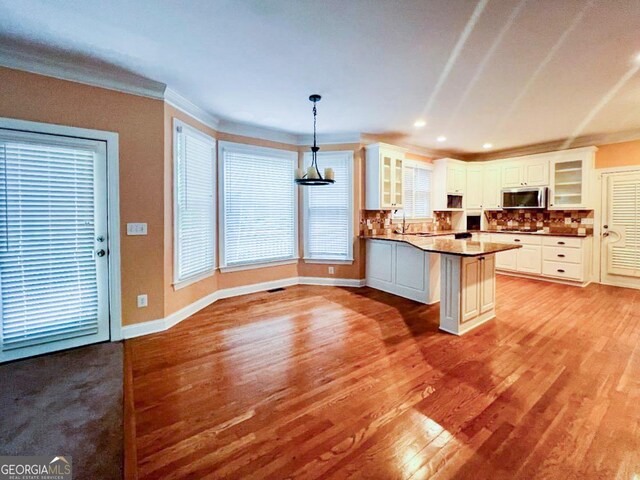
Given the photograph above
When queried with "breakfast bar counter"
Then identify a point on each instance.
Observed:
(466, 285)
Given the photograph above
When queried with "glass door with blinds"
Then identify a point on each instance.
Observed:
(53, 243)
(621, 230)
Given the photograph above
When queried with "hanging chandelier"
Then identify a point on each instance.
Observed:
(313, 176)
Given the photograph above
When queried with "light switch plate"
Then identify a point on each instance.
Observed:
(142, 301)
(136, 228)
(332, 270)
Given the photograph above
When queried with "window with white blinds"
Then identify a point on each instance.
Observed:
(48, 221)
(328, 211)
(416, 186)
(258, 210)
(194, 185)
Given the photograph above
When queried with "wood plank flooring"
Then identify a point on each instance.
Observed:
(333, 383)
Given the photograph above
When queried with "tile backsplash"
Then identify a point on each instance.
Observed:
(551, 221)
(376, 222)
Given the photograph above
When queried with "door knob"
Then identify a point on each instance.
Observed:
(101, 253)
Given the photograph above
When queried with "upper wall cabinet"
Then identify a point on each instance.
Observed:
(456, 177)
(474, 191)
(526, 172)
(383, 189)
(491, 198)
(570, 173)
(450, 184)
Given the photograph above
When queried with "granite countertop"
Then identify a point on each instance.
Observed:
(511, 232)
(463, 248)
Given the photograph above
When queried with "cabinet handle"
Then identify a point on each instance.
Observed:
(561, 255)
(560, 270)
(560, 243)
(516, 239)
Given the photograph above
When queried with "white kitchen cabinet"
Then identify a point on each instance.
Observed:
(529, 259)
(475, 188)
(403, 270)
(570, 172)
(491, 197)
(456, 178)
(506, 260)
(470, 291)
(511, 175)
(449, 184)
(380, 265)
(535, 172)
(478, 287)
(559, 258)
(526, 172)
(383, 190)
(487, 284)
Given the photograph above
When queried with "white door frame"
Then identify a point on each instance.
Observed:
(113, 202)
(601, 204)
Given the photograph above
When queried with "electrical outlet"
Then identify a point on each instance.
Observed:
(136, 228)
(332, 270)
(142, 301)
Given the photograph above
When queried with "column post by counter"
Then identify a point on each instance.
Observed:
(468, 292)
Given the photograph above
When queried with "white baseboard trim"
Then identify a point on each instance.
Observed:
(335, 282)
(162, 324)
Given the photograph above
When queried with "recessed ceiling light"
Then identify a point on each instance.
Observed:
(487, 145)
(419, 123)
(441, 138)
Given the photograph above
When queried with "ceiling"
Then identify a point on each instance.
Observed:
(505, 72)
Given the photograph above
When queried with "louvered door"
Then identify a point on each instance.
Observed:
(53, 244)
(622, 231)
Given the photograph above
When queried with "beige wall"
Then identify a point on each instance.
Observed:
(138, 122)
(144, 127)
(622, 154)
(177, 299)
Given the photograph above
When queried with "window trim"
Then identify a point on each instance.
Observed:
(179, 283)
(424, 166)
(348, 155)
(223, 147)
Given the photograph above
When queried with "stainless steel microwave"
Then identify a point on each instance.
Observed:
(528, 197)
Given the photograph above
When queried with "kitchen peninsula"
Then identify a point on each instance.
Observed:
(464, 282)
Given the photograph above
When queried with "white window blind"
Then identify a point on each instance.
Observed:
(416, 186)
(328, 212)
(194, 184)
(47, 264)
(258, 211)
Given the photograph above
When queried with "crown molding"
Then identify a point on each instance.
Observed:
(185, 105)
(65, 69)
(329, 139)
(254, 131)
(557, 145)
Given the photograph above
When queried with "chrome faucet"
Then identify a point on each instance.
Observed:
(404, 220)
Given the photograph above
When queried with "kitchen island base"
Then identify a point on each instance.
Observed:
(468, 292)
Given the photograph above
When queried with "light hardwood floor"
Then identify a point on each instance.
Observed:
(325, 382)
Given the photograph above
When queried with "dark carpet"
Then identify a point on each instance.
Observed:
(67, 403)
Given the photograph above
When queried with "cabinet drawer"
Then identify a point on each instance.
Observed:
(562, 254)
(518, 239)
(562, 242)
(570, 271)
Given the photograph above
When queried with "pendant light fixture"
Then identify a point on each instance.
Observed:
(312, 175)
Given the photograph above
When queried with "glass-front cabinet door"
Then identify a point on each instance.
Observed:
(568, 184)
(397, 183)
(386, 180)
